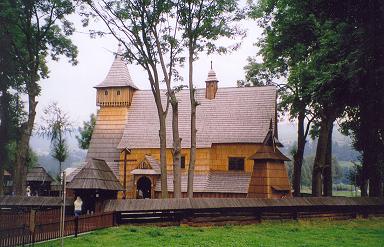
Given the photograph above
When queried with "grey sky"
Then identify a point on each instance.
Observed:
(72, 86)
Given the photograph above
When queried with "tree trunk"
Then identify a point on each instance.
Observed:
(163, 156)
(376, 184)
(154, 81)
(327, 172)
(3, 137)
(60, 168)
(298, 156)
(364, 187)
(20, 170)
(176, 147)
(375, 172)
(320, 158)
(192, 152)
(1, 176)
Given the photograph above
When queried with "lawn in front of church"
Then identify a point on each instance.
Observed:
(358, 232)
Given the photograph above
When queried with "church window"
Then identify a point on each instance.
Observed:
(106, 92)
(236, 163)
(182, 162)
(118, 92)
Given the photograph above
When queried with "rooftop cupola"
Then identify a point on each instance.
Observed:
(211, 84)
(117, 88)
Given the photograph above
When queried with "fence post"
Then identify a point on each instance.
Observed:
(76, 225)
(114, 218)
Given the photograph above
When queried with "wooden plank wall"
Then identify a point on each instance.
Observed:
(113, 99)
(266, 175)
(215, 159)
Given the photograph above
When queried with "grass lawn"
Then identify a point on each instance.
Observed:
(360, 232)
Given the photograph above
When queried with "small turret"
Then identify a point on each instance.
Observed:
(211, 84)
(117, 88)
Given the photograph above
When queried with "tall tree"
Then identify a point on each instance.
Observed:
(343, 71)
(285, 45)
(12, 112)
(56, 124)
(202, 23)
(86, 131)
(364, 118)
(148, 31)
(35, 33)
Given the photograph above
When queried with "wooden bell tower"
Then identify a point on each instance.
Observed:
(211, 84)
(117, 88)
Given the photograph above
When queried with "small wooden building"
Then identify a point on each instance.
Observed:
(94, 183)
(39, 181)
(269, 176)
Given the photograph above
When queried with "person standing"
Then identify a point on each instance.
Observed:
(28, 191)
(78, 204)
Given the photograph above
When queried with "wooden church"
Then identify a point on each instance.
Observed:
(236, 156)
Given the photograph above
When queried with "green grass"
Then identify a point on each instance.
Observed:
(359, 232)
(347, 193)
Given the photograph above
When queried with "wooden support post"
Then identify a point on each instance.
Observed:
(76, 226)
(125, 160)
(32, 224)
(125, 175)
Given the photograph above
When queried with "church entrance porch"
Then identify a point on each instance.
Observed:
(144, 186)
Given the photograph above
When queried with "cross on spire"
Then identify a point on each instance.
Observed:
(211, 64)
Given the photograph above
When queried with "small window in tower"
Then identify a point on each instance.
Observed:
(106, 92)
(182, 162)
(118, 92)
(236, 163)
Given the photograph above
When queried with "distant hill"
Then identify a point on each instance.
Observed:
(41, 147)
(341, 150)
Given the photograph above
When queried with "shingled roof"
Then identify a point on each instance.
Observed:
(38, 174)
(118, 75)
(96, 174)
(149, 166)
(215, 181)
(110, 123)
(236, 115)
(269, 153)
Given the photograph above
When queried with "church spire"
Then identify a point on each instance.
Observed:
(117, 88)
(211, 84)
(118, 75)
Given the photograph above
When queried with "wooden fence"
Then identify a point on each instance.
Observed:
(213, 211)
(47, 226)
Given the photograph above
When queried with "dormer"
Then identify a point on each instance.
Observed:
(117, 88)
(211, 84)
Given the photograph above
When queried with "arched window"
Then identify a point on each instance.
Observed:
(118, 92)
(106, 92)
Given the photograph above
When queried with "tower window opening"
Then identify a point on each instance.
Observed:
(106, 92)
(118, 92)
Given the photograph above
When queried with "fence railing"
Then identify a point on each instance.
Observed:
(49, 228)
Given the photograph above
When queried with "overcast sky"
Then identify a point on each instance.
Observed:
(72, 86)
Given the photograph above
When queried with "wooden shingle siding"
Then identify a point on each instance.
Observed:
(132, 205)
(118, 75)
(96, 174)
(38, 174)
(236, 115)
(108, 131)
(33, 201)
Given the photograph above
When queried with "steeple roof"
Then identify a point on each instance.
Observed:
(211, 75)
(118, 75)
